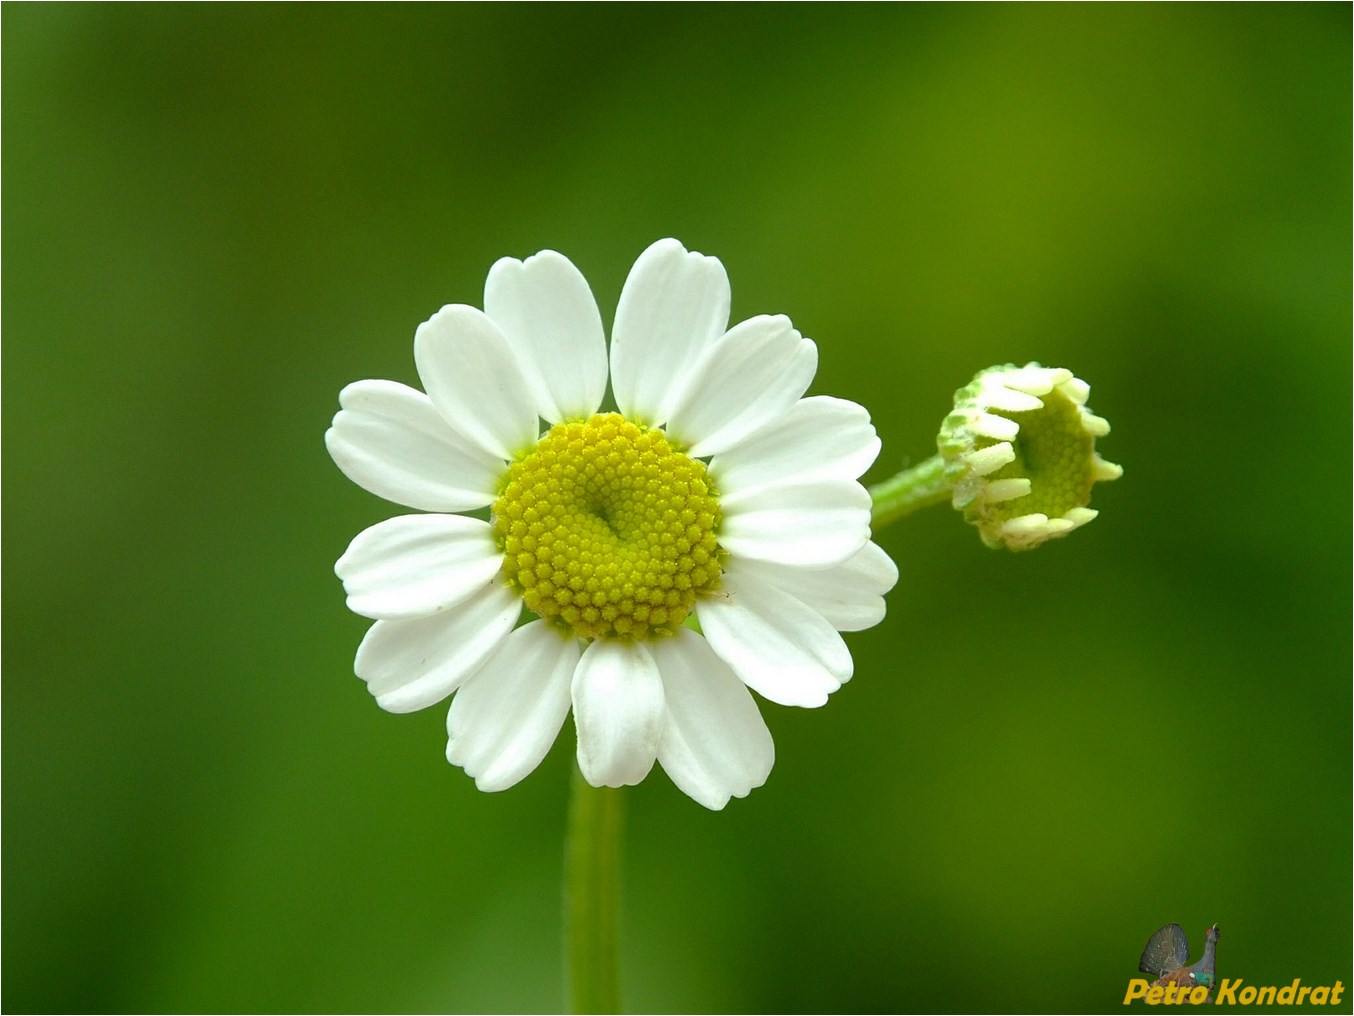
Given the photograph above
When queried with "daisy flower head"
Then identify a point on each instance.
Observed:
(705, 536)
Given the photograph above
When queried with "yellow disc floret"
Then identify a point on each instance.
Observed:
(609, 530)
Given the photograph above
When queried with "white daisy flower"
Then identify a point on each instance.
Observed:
(716, 492)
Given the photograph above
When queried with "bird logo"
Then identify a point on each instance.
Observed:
(1167, 954)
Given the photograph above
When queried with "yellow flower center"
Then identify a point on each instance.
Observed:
(609, 530)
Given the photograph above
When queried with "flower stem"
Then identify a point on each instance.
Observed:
(592, 897)
(924, 484)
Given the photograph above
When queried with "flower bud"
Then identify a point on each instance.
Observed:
(1019, 453)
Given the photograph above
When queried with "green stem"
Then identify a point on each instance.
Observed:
(924, 484)
(592, 897)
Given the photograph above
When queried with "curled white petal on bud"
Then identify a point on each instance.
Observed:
(1006, 490)
(1098, 426)
(1036, 380)
(1077, 390)
(1008, 400)
(1021, 524)
(998, 428)
(989, 460)
(1102, 470)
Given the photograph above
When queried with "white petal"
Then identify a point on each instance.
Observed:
(849, 596)
(715, 744)
(1034, 524)
(474, 381)
(819, 436)
(618, 708)
(989, 460)
(1035, 380)
(997, 491)
(746, 380)
(1104, 470)
(506, 717)
(412, 664)
(673, 306)
(545, 308)
(1096, 426)
(1076, 389)
(414, 565)
(775, 644)
(998, 428)
(389, 439)
(812, 522)
(1008, 400)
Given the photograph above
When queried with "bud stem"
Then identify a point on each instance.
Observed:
(924, 484)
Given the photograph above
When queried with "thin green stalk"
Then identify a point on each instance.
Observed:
(924, 484)
(592, 897)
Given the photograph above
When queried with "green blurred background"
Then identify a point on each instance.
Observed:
(215, 217)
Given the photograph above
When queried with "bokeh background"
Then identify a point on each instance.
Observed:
(214, 217)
